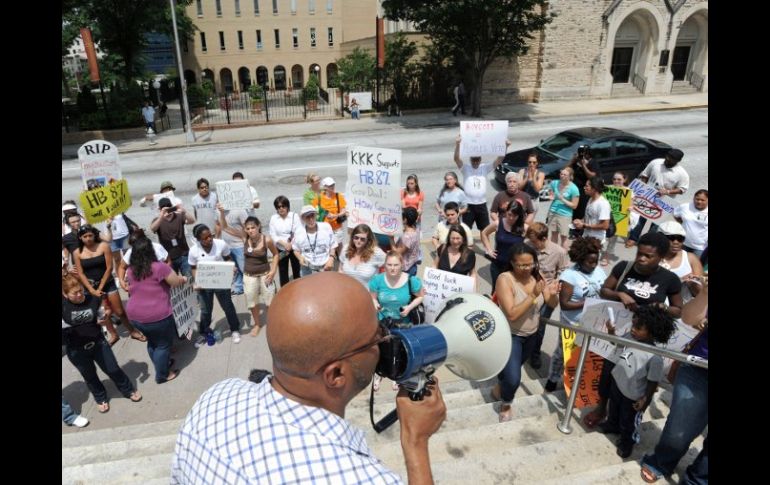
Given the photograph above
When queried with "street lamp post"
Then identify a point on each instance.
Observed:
(185, 105)
(156, 85)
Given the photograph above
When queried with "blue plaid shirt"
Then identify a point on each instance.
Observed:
(241, 432)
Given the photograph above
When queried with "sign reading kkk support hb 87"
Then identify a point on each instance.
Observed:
(373, 189)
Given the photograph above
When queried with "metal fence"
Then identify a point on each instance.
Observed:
(274, 106)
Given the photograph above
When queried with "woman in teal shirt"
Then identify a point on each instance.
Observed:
(565, 196)
(391, 292)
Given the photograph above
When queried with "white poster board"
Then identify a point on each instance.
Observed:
(373, 189)
(169, 194)
(439, 285)
(234, 194)
(183, 301)
(214, 275)
(99, 163)
(649, 204)
(364, 100)
(480, 138)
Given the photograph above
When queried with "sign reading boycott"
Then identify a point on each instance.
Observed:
(234, 194)
(620, 203)
(364, 100)
(101, 203)
(214, 275)
(438, 286)
(183, 301)
(649, 204)
(98, 163)
(372, 189)
(483, 138)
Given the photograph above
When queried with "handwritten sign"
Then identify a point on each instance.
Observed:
(372, 189)
(184, 303)
(649, 204)
(588, 391)
(101, 203)
(439, 285)
(364, 100)
(214, 275)
(620, 203)
(98, 163)
(483, 138)
(169, 194)
(595, 316)
(234, 194)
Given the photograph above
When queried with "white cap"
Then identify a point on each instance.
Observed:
(307, 209)
(68, 207)
(327, 181)
(672, 228)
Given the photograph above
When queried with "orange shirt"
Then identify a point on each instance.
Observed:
(330, 205)
(412, 200)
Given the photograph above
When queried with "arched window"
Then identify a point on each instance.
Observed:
(244, 78)
(279, 78)
(297, 77)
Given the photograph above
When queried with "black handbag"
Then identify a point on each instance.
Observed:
(343, 218)
(417, 314)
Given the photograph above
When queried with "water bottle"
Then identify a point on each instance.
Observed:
(210, 341)
(218, 336)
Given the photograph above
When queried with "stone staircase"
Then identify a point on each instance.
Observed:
(682, 87)
(471, 446)
(626, 90)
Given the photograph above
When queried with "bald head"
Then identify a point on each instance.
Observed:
(317, 318)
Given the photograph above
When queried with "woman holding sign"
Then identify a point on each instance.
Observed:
(149, 305)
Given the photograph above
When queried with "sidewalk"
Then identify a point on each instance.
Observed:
(175, 138)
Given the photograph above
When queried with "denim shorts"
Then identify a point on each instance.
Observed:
(119, 244)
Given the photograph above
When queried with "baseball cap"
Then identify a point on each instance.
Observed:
(676, 154)
(327, 181)
(164, 202)
(167, 185)
(672, 228)
(307, 209)
(68, 207)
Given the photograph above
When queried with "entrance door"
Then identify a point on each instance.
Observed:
(621, 64)
(679, 62)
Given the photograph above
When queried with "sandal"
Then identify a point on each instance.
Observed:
(630, 243)
(648, 475)
(505, 414)
(592, 419)
(171, 376)
(376, 382)
(137, 335)
(604, 262)
(255, 331)
(135, 396)
(103, 407)
(113, 340)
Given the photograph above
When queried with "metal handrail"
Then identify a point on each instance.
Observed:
(639, 82)
(564, 425)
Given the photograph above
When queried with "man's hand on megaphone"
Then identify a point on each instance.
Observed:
(420, 419)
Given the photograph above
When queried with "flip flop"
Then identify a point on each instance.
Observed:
(135, 396)
(137, 335)
(114, 340)
(171, 376)
(103, 407)
(648, 475)
(604, 262)
(376, 383)
(506, 415)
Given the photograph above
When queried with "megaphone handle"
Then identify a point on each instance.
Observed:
(386, 422)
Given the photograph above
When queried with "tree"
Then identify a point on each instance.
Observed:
(356, 71)
(475, 32)
(399, 68)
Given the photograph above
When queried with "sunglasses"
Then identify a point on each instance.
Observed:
(360, 238)
(676, 237)
(383, 335)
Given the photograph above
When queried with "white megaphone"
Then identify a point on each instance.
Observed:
(470, 336)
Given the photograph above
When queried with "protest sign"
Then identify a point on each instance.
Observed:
(620, 203)
(234, 194)
(481, 138)
(373, 189)
(99, 163)
(649, 204)
(101, 203)
(595, 316)
(169, 194)
(438, 286)
(214, 275)
(184, 302)
(588, 391)
(364, 100)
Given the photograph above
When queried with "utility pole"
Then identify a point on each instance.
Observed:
(185, 106)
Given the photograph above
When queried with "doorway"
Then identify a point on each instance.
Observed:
(679, 62)
(621, 64)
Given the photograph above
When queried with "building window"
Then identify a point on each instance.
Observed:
(275, 6)
(328, 6)
(221, 40)
(294, 38)
(203, 42)
(312, 36)
(256, 7)
(237, 8)
(219, 7)
(293, 7)
(311, 6)
(240, 39)
(277, 38)
(199, 8)
(331, 36)
(259, 40)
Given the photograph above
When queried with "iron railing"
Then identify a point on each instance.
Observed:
(282, 105)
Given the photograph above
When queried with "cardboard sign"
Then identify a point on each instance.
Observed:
(620, 199)
(595, 316)
(184, 303)
(214, 275)
(364, 100)
(438, 286)
(234, 194)
(481, 138)
(648, 204)
(99, 163)
(373, 189)
(101, 203)
(588, 392)
(169, 194)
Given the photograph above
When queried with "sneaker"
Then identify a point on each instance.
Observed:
(236, 337)
(80, 422)
(550, 386)
(535, 362)
(200, 341)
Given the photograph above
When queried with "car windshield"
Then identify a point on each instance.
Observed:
(563, 145)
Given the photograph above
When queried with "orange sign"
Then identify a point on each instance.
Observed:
(88, 42)
(588, 392)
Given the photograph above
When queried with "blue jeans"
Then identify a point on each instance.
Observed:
(101, 354)
(545, 312)
(237, 255)
(510, 376)
(182, 266)
(67, 414)
(206, 300)
(160, 335)
(688, 417)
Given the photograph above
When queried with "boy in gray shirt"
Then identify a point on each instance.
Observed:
(636, 375)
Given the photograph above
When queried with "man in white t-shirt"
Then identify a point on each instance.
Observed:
(205, 205)
(314, 243)
(668, 178)
(475, 186)
(596, 220)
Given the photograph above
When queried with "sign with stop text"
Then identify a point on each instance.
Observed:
(99, 163)
(373, 189)
(649, 204)
(439, 285)
(234, 194)
(481, 138)
(101, 203)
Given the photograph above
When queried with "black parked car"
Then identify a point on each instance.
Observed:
(614, 150)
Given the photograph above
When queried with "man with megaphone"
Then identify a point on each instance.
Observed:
(291, 427)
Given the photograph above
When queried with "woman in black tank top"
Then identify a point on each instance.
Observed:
(258, 273)
(532, 180)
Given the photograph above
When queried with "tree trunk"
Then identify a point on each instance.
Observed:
(478, 81)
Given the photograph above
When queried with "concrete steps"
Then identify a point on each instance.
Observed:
(682, 87)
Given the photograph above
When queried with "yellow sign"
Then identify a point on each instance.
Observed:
(620, 202)
(101, 203)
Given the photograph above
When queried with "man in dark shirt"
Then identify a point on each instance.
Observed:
(510, 193)
(584, 167)
(170, 229)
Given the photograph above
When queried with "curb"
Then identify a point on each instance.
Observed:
(656, 108)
